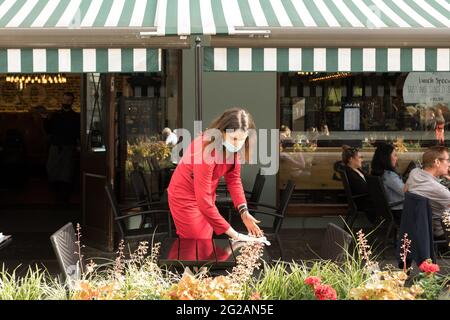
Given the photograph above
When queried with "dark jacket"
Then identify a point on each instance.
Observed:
(63, 127)
(357, 184)
(416, 222)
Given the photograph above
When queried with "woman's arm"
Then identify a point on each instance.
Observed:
(234, 186)
(395, 183)
(203, 194)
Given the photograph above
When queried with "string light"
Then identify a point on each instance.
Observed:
(23, 80)
(301, 73)
(333, 76)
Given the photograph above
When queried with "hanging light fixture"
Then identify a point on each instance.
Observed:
(22, 81)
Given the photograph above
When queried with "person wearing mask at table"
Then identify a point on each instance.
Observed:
(192, 190)
(384, 162)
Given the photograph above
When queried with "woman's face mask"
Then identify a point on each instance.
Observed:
(234, 141)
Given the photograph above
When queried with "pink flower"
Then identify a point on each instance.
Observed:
(429, 267)
(313, 281)
(255, 296)
(325, 292)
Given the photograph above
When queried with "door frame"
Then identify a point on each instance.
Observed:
(101, 165)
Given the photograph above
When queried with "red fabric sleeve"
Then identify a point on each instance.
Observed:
(234, 185)
(203, 174)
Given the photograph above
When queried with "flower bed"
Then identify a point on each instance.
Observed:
(138, 277)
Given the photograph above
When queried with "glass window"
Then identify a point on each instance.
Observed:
(320, 112)
(95, 112)
(148, 105)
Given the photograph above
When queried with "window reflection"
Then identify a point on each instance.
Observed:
(323, 111)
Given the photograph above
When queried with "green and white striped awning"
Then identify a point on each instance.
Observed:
(79, 60)
(327, 59)
(210, 17)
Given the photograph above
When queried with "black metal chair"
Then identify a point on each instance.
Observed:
(336, 244)
(123, 214)
(145, 197)
(382, 207)
(278, 213)
(65, 248)
(411, 166)
(255, 194)
(225, 203)
(142, 190)
(162, 175)
(353, 211)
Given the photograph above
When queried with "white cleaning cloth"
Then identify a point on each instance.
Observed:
(243, 237)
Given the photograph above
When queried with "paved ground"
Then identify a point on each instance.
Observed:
(31, 230)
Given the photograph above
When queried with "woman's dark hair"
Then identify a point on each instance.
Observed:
(381, 161)
(348, 153)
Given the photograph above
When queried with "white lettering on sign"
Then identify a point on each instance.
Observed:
(427, 87)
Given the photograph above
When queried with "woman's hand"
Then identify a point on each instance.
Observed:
(251, 224)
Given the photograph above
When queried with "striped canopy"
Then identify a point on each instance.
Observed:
(210, 17)
(327, 59)
(79, 60)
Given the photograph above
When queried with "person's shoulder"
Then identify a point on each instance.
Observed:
(390, 174)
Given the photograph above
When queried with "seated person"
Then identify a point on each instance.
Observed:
(384, 163)
(170, 137)
(425, 183)
(352, 159)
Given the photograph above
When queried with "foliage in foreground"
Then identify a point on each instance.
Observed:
(137, 276)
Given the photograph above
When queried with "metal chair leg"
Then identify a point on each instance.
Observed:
(280, 246)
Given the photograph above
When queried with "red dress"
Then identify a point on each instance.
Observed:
(192, 195)
(440, 132)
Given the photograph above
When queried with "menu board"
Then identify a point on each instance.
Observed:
(352, 119)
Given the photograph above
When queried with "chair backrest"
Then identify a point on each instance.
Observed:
(379, 198)
(416, 221)
(155, 164)
(285, 197)
(336, 243)
(348, 190)
(115, 209)
(140, 187)
(64, 245)
(411, 165)
(258, 187)
(338, 167)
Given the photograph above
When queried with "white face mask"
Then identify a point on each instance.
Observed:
(231, 147)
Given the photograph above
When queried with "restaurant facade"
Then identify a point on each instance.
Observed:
(333, 72)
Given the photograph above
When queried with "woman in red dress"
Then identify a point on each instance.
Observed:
(192, 189)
